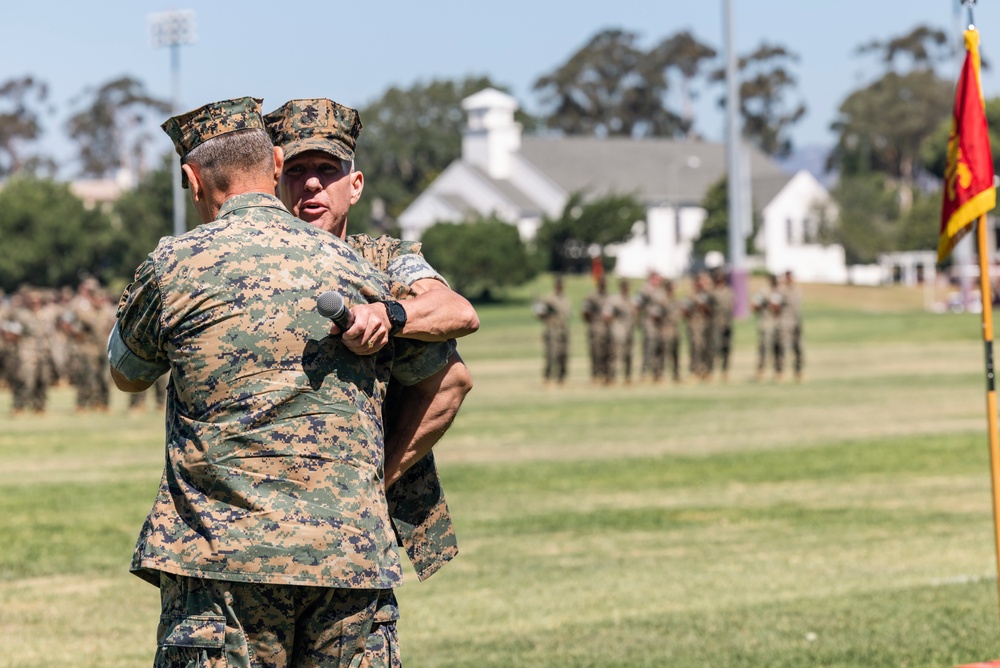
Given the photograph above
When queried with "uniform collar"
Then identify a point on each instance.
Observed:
(247, 200)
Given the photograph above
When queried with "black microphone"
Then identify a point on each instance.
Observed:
(330, 304)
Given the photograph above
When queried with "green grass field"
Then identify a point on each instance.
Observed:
(845, 521)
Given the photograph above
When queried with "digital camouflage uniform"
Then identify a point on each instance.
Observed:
(790, 326)
(767, 306)
(32, 359)
(554, 312)
(651, 305)
(620, 314)
(417, 507)
(598, 336)
(274, 471)
(87, 325)
(698, 313)
(722, 327)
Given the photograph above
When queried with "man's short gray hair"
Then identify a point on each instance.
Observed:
(242, 151)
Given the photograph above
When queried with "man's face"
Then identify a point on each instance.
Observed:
(317, 188)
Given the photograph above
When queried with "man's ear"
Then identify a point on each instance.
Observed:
(357, 185)
(279, 163)
(194, 182)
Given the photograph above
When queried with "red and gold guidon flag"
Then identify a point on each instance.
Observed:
(968, 175)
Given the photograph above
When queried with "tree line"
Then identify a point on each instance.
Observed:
(890, 140)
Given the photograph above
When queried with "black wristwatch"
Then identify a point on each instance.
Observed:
(397, 317)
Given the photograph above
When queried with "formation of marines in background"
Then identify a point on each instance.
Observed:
(48, 337)
(704, 318)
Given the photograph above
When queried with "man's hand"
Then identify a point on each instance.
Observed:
(370, 331)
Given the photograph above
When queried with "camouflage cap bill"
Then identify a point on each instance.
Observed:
(188, 131)
(314, 124)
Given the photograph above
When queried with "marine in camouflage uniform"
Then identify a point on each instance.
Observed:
(87, 325)
(32, 359)
(320, 185)
(269, 538)
(671, 330)
(698, 310)
(767, 306)
(619, 312)
(722, 323)
(790, 325)
(554, 312)
(598, 332)
(651, 309)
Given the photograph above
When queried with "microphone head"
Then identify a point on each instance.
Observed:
(330, 304)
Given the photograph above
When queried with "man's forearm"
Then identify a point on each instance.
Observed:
(422, 415)
(437, 313)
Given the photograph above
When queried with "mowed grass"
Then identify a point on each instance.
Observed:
(843, 521)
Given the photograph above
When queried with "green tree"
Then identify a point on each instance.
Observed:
(21, 102)
(714, 235)
(610, 87)
(684, 53)
(868, 216)
(567, 241)
(885, 125)
(49, 237)
(766, 86)
(140, 217)
(410, 135)
(110, 129)
(480, 256)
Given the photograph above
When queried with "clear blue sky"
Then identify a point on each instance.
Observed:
(323, 49)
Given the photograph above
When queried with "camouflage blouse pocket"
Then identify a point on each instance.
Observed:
(192, 642)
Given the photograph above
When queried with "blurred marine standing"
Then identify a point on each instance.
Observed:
(554, 312)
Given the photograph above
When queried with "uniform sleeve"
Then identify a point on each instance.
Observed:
(134, 345)
(414, 360)
(410, 268)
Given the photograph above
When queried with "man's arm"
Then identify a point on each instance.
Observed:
(437, 313)
(422, 415)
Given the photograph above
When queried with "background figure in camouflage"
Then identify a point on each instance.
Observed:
(598, 331)
(619, 311)
(651, 310)
(767, 306)
(87, 324)
(32, 360)
(722, 322)
(554, 312)
(791, 323)
(274, 429)
(671, 330)
(698, 312)
(319, 183)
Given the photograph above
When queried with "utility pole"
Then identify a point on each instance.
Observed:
(173, 29)
(738, 174)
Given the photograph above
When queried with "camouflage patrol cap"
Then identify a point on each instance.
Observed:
(314, 124)
(188, 131)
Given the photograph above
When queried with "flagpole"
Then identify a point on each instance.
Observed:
(986, 292)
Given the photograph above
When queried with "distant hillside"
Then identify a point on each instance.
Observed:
(811, 158)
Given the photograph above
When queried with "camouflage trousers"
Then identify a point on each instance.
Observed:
(90, 376)
(620, 357)
(220, 624)
(770, 344)
(701, 358)
(30, 381)
(556, 354)
(722, 342)
(654, 351)
(600, 355)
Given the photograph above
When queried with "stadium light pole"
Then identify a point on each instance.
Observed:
(173, 29)
(736, 168)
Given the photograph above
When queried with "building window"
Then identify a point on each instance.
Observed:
(790, 231)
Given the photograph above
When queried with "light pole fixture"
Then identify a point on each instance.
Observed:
(174, 29)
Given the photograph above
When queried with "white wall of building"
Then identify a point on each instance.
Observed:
(665, 246)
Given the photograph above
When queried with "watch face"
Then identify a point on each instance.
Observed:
(397, 315)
